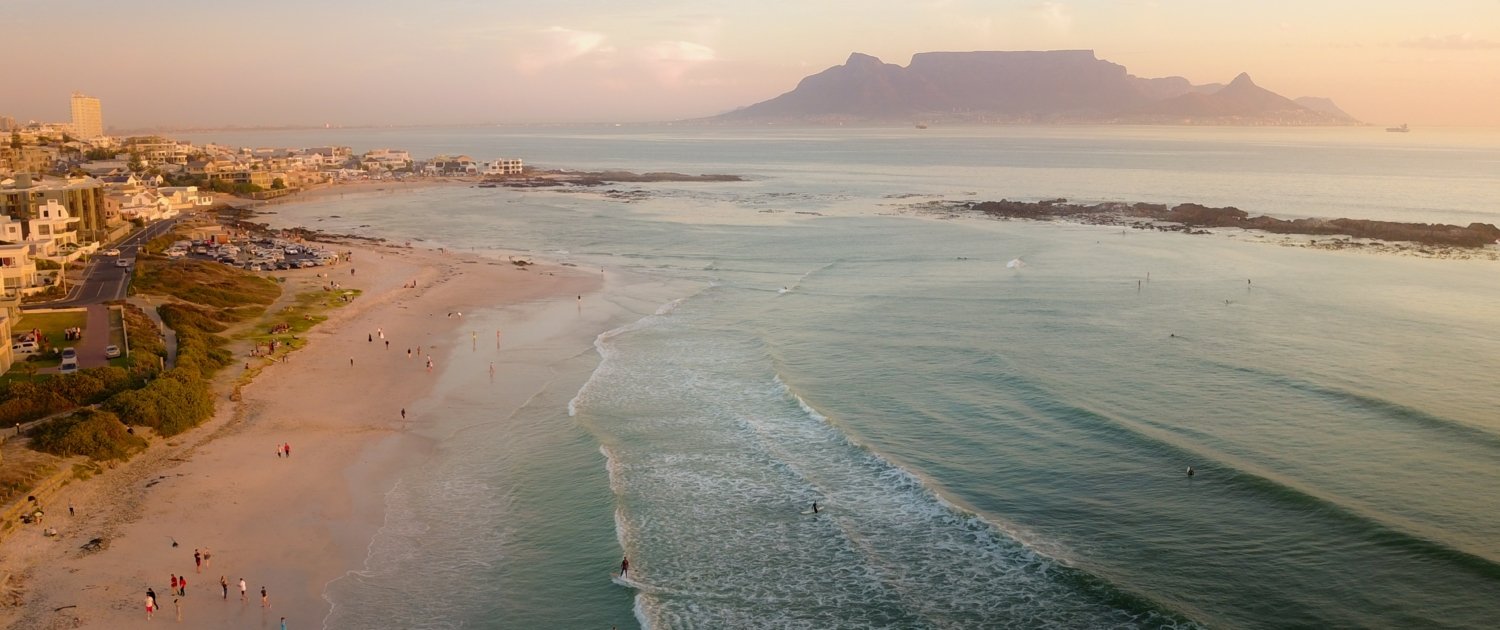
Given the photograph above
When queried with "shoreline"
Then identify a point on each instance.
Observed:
(293, 525)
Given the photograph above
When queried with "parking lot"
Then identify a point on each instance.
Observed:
(257, 255)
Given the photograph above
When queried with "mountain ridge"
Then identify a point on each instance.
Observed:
(1056, 86)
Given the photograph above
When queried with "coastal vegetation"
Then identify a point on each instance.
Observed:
(98, 435)
(242, 295)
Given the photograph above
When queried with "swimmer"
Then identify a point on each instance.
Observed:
(1190, 471)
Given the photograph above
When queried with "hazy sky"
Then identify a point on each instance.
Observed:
(299, 62)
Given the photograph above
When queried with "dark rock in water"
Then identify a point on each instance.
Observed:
(1191, 215)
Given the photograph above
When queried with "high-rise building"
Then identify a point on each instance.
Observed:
(7, 123)
(88, 121)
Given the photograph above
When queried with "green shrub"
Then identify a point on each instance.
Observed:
(98, 435)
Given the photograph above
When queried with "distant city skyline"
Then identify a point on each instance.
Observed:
(192, 64)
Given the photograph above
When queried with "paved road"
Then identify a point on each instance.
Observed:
(102, 280)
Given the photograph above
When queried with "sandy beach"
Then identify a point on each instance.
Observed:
(289, 524)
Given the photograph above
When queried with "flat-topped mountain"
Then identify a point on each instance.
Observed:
(1056, 86)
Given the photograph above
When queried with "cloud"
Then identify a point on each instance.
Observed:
(558, 45)
(670, 60)
(1055, 15)
(1463, 41)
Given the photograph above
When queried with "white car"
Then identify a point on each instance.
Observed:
(111, 252)
(111, 351)
(122, 262)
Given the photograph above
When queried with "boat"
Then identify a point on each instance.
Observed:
(1402, 129)
(921, 126)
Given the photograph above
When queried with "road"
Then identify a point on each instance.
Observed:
(102, 280)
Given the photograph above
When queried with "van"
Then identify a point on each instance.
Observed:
(24, 347)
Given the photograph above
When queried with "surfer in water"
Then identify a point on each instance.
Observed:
(624, 565)
(815, 507)
(1190, 471)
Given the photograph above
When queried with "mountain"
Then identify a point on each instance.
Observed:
(1019, 87)
(1240, 102)
(1324, 105)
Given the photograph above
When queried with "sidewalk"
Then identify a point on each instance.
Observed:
(95, 338)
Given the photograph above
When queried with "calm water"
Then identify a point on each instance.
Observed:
(994, 447)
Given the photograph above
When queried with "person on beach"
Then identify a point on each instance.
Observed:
(174, 582)
(403, 413)
(372, 338)
(182, 586)
(224, 584)
(283, 623)
(242, 590)
(429, 364)
(70, 509)
(198, 560)
(178, 604)
(288, 447)
(265, 601)
(408, 353)
(624, 565)
(208, 558)
(150, 606)
(151, 595)
(351, 361)
(278, 451)
(388, 344)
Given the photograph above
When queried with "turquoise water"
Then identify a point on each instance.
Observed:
(994, 447)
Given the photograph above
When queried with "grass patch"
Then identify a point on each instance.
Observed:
(236, 293)
(116, 329)
(52, 325)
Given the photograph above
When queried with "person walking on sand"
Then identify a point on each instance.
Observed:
(208, 558)
(182, 586)
(224, 584)
(198, 560)
(174, 582)
(265, 601)
(242, 590)
(403, 413)
(150, 605)
(283, 623)
(288, 447)
(178, 604)
(371, 338)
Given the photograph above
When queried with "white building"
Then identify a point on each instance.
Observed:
(504, 167)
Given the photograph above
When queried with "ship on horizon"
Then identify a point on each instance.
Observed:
(1402, 129)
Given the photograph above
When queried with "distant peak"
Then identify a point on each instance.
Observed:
(861, 59)
(1243, 80)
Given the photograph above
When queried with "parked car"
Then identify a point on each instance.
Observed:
(69, 353)
(111, 351)
(68, 366)
(24, 347)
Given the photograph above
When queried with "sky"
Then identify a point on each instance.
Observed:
(207, 63)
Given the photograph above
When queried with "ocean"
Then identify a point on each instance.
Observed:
(990, 445)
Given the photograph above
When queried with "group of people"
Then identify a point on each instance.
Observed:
(178, 589)
(284, 450)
